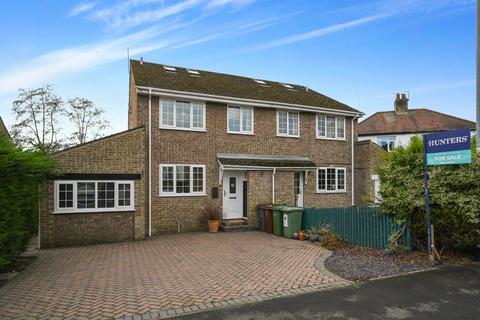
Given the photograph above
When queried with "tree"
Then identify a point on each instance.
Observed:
(454, 196)
(87, 119)
(36, 118)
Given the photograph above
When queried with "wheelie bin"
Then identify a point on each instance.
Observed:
(292, 220)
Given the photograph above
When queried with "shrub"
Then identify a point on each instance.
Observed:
(454, 196)
(20, 175)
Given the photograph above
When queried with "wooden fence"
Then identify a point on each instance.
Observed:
(359, 226)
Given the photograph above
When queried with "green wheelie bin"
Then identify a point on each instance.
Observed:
(292, 220)
(277, 219)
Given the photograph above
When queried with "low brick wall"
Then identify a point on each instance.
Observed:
(90, 228)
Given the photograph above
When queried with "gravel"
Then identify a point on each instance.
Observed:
(359, 263)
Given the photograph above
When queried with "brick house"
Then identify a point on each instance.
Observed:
(197, 139)
(390, 129)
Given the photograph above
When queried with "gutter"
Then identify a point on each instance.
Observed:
(150, 163)
(243, 101)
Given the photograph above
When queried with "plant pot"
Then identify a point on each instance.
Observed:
(213, 225)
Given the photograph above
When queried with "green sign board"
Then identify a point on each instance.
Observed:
(449, 157)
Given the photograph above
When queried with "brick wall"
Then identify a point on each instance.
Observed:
(177, 147)
(367, 157)
(120, 153)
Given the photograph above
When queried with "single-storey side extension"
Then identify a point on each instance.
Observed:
(98, 195)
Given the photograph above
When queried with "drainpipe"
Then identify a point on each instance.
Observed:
(149, 163)
(353, 160)
(273, 185)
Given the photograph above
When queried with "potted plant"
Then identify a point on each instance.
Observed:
(212, 215)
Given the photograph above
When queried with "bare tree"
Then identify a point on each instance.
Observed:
(89, 123)
(36, 118)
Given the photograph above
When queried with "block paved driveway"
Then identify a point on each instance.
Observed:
(166, 276)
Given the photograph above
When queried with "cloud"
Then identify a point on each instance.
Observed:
(71, 60)
(213, 4)
(317, 33)
(82, 8)
(236, 31)
(124, 16)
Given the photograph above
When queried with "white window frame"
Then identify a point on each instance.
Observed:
(324, 137)
(288, 119)
(344, 190)
(387, 139)
(74, 209)
(251, 132)
(174, 126)
(174, 192)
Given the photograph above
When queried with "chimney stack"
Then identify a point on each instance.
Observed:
(401, 103)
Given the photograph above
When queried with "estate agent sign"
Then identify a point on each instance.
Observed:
(449, 147)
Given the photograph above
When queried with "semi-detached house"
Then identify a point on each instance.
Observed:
(198, 138)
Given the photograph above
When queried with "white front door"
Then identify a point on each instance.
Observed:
(299, 189)
(233, 194)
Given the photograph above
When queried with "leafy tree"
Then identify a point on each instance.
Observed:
(20, 175)
(36, 119)
(454, 196)
(87, 119)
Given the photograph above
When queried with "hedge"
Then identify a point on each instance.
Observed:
(20, 175)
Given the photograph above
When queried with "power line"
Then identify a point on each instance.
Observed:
(58, 15)
(349, 53)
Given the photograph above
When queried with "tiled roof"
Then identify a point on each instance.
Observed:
(219, 84)
(272, 161)
(3, 128)
(415, 120)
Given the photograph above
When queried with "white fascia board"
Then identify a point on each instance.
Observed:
(242, 101)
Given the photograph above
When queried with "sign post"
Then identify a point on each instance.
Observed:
(443, 148)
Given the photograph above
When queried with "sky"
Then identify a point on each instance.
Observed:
(358, 52)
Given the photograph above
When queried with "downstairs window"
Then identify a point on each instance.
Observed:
(93, 196)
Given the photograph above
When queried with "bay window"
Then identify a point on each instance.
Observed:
(331, 180)
(182, 115)
(330, 127)
(93, 196)
(182, 180)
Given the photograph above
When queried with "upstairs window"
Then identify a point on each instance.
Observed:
(182, 115)
(240, 120)
(387, 143)
(331, 180)
(182, 180)
(330, 127)
(93, 196)
(288, 124)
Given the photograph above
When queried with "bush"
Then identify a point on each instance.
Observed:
(454, 196)
(20, 175)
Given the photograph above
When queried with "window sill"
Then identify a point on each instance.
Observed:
(242, 133)
(182, 195)
(94, 211)
(285, 136)
(330, 192)
(333, 139)
(183, 129)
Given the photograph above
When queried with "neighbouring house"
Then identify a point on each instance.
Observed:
(198, 138)
(390, 129)
(3, 129)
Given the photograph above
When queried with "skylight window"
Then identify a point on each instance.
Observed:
(287, 86)
(195, 72)
(260, 82)
(169, 68)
